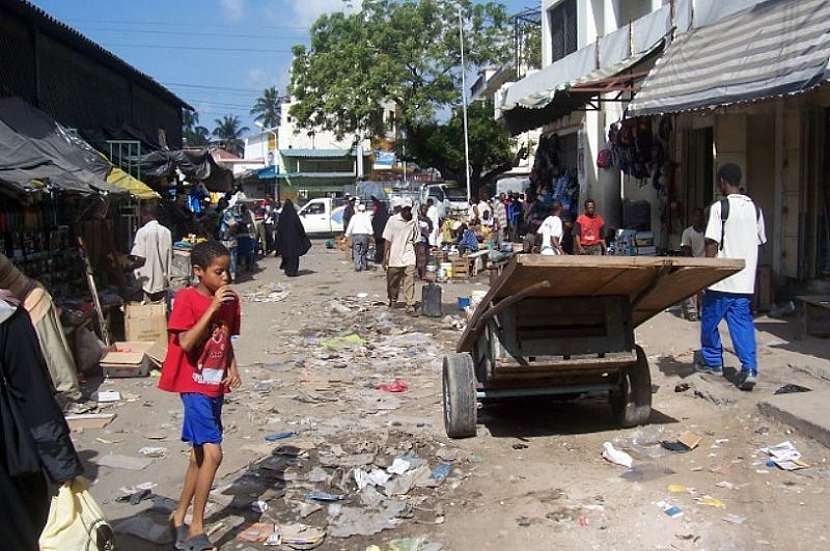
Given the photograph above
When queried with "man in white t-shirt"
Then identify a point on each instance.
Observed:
(551, 230)
(152, 256)
(735, 230)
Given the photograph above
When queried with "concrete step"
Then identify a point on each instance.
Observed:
(807, 412)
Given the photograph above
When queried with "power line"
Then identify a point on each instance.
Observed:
(219, 104)
(197, 48)
(195, 33)
(211, 87)
(174, 24)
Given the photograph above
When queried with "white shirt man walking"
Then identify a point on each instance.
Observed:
(735, 230)
(152, 256)
(360, 230)
(401, 235)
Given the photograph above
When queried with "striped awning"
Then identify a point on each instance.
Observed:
(773, 49)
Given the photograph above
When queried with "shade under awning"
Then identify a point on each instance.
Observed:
(775, 48)
(553, 93)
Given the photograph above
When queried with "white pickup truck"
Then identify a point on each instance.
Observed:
(323, 216)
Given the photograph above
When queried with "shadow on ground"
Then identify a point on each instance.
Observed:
(533, 417)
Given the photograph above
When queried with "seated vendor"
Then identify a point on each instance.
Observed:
(467, 241)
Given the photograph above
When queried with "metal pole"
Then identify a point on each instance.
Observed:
(464, 102)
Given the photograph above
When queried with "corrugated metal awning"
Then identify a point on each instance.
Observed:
(775, 48)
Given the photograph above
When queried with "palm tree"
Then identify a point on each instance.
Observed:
(229, 130)
(192, 133)
(268, 108)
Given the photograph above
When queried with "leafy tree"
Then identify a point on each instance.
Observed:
(403, 51)
(441, 146)
(268, 108)
(229, 129)
(193, 134)
(532, 48)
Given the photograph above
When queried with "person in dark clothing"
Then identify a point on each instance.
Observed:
(348, 212)
(292, 241)
(25, 387)
(378, 225)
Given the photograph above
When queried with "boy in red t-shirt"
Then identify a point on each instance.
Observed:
(201, 367)
(589, 231)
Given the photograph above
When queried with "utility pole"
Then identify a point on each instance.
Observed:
(464, 101)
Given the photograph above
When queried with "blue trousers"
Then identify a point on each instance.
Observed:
(737, 309)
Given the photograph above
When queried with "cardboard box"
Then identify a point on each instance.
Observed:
(129, 359)
(145, 322)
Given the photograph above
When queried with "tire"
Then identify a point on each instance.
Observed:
(459, 396)
(631, 401)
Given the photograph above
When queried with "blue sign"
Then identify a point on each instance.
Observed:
(384, 160)
(268, 172)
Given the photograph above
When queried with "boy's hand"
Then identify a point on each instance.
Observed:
(232, 378)
(223, 295)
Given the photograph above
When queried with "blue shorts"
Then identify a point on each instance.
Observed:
(202, 419)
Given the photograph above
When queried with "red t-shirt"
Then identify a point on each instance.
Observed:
(590, 229)
(203, 369)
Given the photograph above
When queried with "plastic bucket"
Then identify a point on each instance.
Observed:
(463, 303)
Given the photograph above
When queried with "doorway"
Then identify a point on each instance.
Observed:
(700, 170)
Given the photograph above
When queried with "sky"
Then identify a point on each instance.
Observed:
(218, 55)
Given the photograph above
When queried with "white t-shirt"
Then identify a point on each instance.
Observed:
(154, 244)
(550, 228)
(744, 232)
(401, 237)
(484, 206)
(360, 224)
(695, 240)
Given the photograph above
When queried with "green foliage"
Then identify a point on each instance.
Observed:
(268, 108)
(532, 48)
(229, 130)
(441, 146)
(192, 133)
(403, 51)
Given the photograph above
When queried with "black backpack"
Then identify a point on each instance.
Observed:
(724, 214)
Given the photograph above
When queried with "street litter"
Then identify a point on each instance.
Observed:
(441, 472)
(258, 532)
(785, 456)
(301, 536)
(280, 436)
(725, 485)
(645, 472)
(618, 457)
(398, 385)
(275, 294)
(520, 446)
(685, 443)
(399, 466)
(84, 421)
(375, 478)
(136, 497)
(148, 451)
(672, 511)
(324, 496)
(734, 519)
(711, 502)
(107, 396)
(259, 506)
(678, 489)
(116, 461)
(347, 341)
(791, 388)
(682, 387)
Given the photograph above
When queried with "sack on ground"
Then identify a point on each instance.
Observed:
(76, 521)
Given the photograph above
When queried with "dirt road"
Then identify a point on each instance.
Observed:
(532, 479)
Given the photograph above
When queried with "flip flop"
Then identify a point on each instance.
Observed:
(199, 543)
(179, 533)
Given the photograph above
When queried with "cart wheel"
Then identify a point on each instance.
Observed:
(459, 396)
(631, 402)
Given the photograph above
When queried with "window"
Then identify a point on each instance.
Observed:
(562, 19)
(316, 208)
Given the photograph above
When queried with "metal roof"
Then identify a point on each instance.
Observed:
(315, 175)
(319, 153)
(51, 26)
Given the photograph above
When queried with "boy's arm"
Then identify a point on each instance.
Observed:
(232, 378)
(196, 335)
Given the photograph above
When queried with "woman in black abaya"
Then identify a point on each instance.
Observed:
(291, 238)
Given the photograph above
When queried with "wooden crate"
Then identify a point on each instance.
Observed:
(815, 319)
(461, 268)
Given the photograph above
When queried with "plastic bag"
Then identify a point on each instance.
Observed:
(76, 521)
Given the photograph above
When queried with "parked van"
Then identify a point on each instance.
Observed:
(323, 215)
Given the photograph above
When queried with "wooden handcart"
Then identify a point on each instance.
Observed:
(564, 325)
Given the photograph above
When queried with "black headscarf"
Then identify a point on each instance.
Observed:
(379, 219)
(291, 236)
